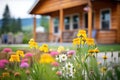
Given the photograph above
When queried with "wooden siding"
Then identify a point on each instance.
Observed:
(118, 22)
(107, 37)
(49, 6)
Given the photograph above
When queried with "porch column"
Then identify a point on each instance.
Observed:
(61, 18)
(51, 29)
(34, 27)
(89, 19)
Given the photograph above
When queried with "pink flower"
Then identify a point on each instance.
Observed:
(2, 65)
(24, 65)
(54, 53)
(24, 60)
(28, 55)
(7, 50)
(55, 64)
(3, 62)
(59, 73)
(71, 52)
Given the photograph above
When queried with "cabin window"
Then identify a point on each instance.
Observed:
(67, 23)
(56, 24)
(75, 21)
(71, 22)
(105, 19)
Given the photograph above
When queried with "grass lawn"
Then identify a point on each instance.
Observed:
(102, 48)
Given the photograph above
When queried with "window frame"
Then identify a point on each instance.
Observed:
(71, 20)
(55, 25)
(101, 18)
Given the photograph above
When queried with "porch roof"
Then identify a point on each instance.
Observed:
(44, 7)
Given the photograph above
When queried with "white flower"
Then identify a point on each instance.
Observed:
(63, 57)
(69, 65)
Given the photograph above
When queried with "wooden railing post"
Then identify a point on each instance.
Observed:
(34, 27)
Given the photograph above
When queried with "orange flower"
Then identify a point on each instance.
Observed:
(14, 58)
(5, 74)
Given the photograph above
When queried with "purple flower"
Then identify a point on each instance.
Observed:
(24, 65)
(55, 64)
(28, 55)
(7, 50)
(54, 53)
(71, 52)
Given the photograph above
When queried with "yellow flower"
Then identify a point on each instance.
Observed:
(46, 58)
(82, 33)
(33, 44)
(5, 74)
(91, 51)
(76, 41)
(20, 53)
(104, 57)
(96, 50)
(90, 41)
(44, 48)
(14, 58)
(60, 49)
(103, 69)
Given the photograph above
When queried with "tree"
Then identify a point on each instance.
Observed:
(19, 24)
(45, 23)
(5, 27)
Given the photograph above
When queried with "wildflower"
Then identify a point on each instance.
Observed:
(63, 57)
(17, 74)
(33, 44)
(46, 58)
(104, 57)
(82, 33)
(3, 62)
(24, 65)
(20, 53)
(54, 53)
(76, 41)
(60, 49)
(59, 73)
(96, 50)
(103, 69)
(90, 41)
(69, 65)
(71, 52)
(91, 51)
(14, 58)
(55, 64)
(27, 72)
(24, 60)
(99, 63)
(44, 48)
(28, 55)
(5, 74)
(7, 50)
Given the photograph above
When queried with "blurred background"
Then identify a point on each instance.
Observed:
(16, 23)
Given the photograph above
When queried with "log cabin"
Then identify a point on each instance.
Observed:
(101, 19)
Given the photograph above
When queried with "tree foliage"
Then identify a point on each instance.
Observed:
(10, 24)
